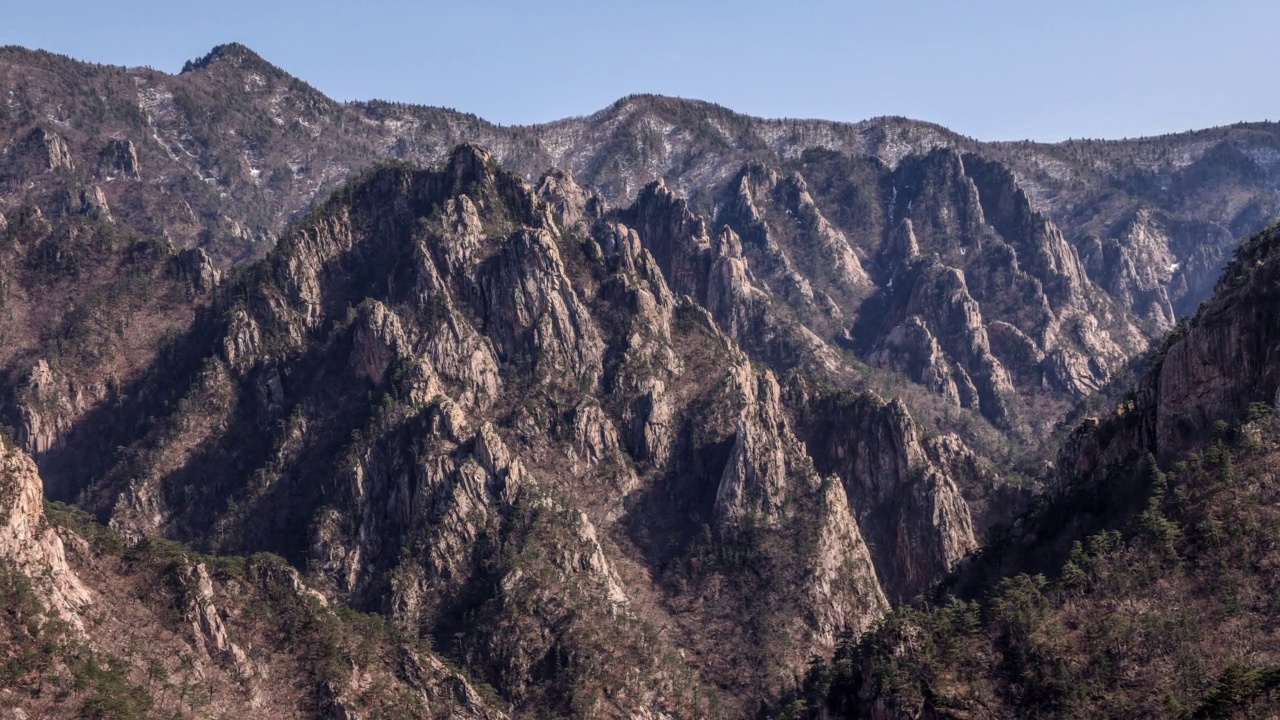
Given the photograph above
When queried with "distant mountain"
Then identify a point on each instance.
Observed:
(1105, 243)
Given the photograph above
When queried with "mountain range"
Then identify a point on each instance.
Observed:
(375, 410)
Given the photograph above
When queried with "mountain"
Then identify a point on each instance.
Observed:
(495, 424)
(1083, 252)
(632, 415)
(1143, 585)
(93, 628)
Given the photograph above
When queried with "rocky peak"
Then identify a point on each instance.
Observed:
(232, 54)
(90, 202)
(755, 480)
(675, 236)
(1042, 249)
(935, 193)
(1137, 267)
(196, 265)
(793, 247)
(573, 207)
(469, 164)
(939, 296)
(904, 491)
(378, 340)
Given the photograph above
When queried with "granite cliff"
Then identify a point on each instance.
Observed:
(1158, 525)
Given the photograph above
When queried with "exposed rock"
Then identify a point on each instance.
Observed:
(676, 237)
(425, 671)
(469, 163)
(842, 584)
(913, 351)
(1136, 265)
(648, 419)
(196, 264)
(1229, 356)
(902, 247)
(595, 563)
(903, 490)
(93, 203)
(88, 201)
(544, 447)
(242, 342)
(1208, 371)
(30, 544)
(1042, 250)
(574, 208)
(1072, 373)
(120, 156)
(773, 264)
(305, 268)
(755, 480)
(462, 264)
(49, 405)
(1016, 352)
(52, 149)
(595, 439)
(731, 296)
(377, 341)
(800, 242)
(939, 300)
(206, 622)
(543, 314)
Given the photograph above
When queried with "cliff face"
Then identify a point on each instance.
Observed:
(30, 546)
(154, 629)
(612, 462)
(225, 153)
(455, 396)
(478, 409)
(1207, 370)
(1160, 514)
(905, 489)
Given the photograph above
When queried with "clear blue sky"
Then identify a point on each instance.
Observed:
(991, 69)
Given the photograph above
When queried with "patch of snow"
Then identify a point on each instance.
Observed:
(1264, 157)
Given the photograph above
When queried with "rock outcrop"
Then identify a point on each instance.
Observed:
(904, 491)
(511, 421)
(120, 157)
(30, 545)
(198, 267)
(50, 150)
(538, 406)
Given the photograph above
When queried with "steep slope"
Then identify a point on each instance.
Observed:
(91, 627)
(477, 408)
(1007, 279)
(1098, 602)
(241, 146)
(87, 307)
(590, 453)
